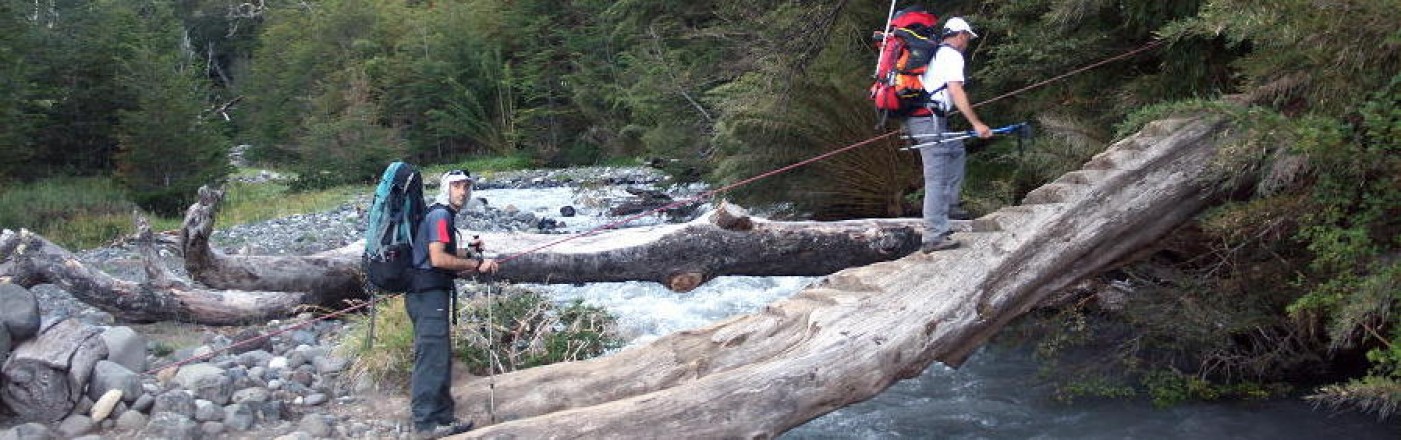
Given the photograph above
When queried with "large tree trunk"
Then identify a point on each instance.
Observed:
(861, 329)
(45, 376)
(680, 256)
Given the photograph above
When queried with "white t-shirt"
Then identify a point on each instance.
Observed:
(947, 66)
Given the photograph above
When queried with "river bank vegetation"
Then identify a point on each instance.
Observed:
(110, 105)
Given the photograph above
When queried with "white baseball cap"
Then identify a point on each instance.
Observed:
(957, 24)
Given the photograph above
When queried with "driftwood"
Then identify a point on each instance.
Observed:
(853, 335)
(45, 376)
(29, 259)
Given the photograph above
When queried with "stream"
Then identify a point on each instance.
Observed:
(995, 395)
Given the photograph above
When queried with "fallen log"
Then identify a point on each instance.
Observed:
(681, 256)
(860, 330)
(327, 280)
(45, 376)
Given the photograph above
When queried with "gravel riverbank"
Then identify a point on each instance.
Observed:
(291, 385)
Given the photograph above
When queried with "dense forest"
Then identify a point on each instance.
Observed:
(1293, 281)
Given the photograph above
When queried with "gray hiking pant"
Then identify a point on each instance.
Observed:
(430, 385)
(943, 174)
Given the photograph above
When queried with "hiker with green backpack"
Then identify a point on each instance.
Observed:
(437, 261)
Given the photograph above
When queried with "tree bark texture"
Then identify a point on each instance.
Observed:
(851, 336)
(679, 255)
(34, 260)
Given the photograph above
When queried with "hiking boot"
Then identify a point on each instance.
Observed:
(942, 244)
(440, 431)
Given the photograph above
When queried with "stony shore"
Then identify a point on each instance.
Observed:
(291, 385)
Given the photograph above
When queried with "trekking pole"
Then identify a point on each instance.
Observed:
(885, 34)
(491, 353)
(1022, 129)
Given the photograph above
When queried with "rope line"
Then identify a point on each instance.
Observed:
(702, 196)
(1151, 45)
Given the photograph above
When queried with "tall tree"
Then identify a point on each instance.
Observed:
(167, 149)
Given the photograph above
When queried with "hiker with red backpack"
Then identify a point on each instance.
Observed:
(919, 77)
(944, 162)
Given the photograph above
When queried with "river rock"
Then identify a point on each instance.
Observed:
(76, 425)
(30, 431)
(250, 340)
(105, 405)
(239, 417)
(131, 420)
(212, 429)
(329, 364)
(317, 425)
(179, 402)
(206, 411)
(248, 395)
(144, 403)
(172, 426)
(109, 376)
(19, 312)
(126, 347)
(206, 381)
(256, 358)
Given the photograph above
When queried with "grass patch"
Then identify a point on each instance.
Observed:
(255, 202)
(74, 212)
(528, 330)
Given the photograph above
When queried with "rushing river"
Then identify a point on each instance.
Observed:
(995, 395)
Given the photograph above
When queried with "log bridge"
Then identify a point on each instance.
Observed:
(856, 332)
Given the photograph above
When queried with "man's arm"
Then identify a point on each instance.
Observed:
(439, 257)
(960, 101)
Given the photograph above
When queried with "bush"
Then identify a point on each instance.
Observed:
(520, 329)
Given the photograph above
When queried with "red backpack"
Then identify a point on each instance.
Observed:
(905, 54)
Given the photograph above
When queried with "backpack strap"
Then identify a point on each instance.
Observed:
(938, 111)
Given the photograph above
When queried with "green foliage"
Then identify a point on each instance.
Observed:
(529, 329)
(1352, 230)
(1304, 55)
